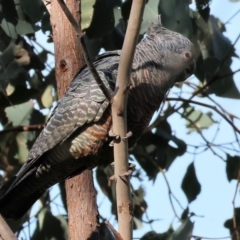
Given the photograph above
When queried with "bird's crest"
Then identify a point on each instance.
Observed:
(155, 25)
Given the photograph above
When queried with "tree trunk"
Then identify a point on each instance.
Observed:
(81, 195)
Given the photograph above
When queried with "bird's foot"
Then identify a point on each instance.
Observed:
(131, 169)
(128, 135)
(117, 137)
(113, 178)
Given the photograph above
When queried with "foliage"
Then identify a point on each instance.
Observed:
(28, 86)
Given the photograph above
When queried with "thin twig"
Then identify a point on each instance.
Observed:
(89, 63)
(209, 145)
(169, 193)
(41, 46)
(208, 106)
(29, 128)
(234, 15)
(233, 203)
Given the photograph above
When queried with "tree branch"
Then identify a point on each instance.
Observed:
(119, 116)
(89, 63)
(5, 231)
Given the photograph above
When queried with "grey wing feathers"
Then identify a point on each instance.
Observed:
(83, 103)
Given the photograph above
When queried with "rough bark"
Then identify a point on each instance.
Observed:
(81, 201)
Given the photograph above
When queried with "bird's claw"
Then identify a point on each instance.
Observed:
(131, 169)
(117, 137)
(113, 178)
(129, 134)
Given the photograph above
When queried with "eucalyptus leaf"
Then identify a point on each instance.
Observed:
(175, 16)
(50, 227)
(34, 9)
(232, 167)
(190, 184)
(223, 85)
(184, 232)
(47, 97)
(196, 120)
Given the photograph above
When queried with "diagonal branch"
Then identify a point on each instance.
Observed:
(89, 63)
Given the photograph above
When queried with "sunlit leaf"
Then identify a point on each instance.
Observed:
(196, 119)
(184, 232)
(20, 114)
(47, 97)
(87, 13)
(152, 235)
(150, 13)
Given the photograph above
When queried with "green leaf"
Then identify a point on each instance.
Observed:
(20, 114)
(87, 13)
(102, 19)
(20, 95)
(50, 227)
(108, 187)
(47, 97)
(196, 119)
(175, 16)
(220, 43)
(224, 86)
(140, 207)
(232, 167)
(25, 115)
(14, 60)
(155, 149)
(46, 26)
(190, 184)
(152, 235)
(185, 214)
(34, 9)
(8, 11)
(184, 232)
(230, 223)
(21, 28)
(150, 13)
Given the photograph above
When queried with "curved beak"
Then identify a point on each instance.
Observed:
(187, 72)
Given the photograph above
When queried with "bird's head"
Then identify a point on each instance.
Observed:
(177, 52)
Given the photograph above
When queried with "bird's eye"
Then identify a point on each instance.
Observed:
(187, 55)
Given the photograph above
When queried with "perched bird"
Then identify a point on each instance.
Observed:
(76, 135)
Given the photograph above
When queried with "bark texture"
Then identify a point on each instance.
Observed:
(81, 194)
